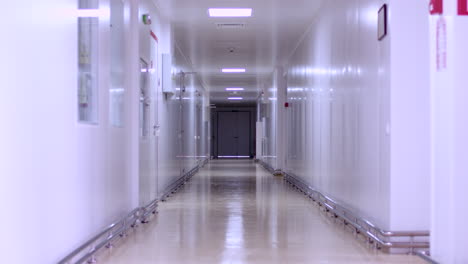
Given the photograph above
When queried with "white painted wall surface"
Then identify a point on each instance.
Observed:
(269, 118)
(149, 51)
(409, 116)
(449, 235)
(173, 115)
(357, 125)
(338, 93)
(62, 181)
(181, 122)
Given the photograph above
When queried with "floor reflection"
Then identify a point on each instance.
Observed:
(233, 211)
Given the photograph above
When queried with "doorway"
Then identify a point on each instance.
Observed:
(233, 134)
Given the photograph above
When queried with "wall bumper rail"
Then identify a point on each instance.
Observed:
(87, 252)
(267, 166)
(203, 163)
(426, 256)
(174, 187)
(408, 241)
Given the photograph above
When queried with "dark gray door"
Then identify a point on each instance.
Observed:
(233, 134)
(243, 134)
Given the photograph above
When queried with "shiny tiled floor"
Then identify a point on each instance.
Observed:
(236, 212)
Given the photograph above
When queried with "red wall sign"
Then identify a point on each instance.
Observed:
(463, 7)
(436, 7)
(154, 36)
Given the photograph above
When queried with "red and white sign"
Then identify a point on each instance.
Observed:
(463, 7)
(441, 45)
(436, 7)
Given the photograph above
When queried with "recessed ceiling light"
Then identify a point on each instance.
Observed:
(233, 70)
(235, 98)
(230, 12)
(234, 89)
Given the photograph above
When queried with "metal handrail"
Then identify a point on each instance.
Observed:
(110, 233)
(426, 256)
(266, 166)
(179, 183)
(119, 228)
(361, 225)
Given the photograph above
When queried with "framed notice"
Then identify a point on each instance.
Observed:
(382, 22)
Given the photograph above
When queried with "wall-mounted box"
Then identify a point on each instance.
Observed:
(167, 86)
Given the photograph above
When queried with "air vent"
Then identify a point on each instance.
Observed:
(230, 25)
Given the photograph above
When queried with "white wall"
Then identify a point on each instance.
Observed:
(272, 115)
(149, 52)
(357, 125)
(409, 116)
(449, 235)
(62, 181)
(179, 134)
(181, 124)
(57, 185)
(268, 106)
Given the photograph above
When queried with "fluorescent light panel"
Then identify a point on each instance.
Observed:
(234, 89)
(233, 70)
(230, 12)
(233, 157)
(235, 98)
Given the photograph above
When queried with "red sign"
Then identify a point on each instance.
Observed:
(436, 7)
(463, 7)
(154, 36)
(441, 45)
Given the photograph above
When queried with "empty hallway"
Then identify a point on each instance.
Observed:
(233, 131)
(234, 211)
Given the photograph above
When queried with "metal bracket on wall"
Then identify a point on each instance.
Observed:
(278, 173)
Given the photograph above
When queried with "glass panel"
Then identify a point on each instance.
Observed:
(144, 99)
(117, 92)
(88, 33)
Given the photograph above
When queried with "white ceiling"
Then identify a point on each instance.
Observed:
(267, 39)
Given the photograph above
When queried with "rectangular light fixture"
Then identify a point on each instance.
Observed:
(233, 157)
(233, 70)
(234, 89)
(230, 12)
(235, 98)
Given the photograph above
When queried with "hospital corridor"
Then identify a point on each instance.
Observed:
(233, 131)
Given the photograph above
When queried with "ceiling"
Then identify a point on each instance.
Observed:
(266, 40)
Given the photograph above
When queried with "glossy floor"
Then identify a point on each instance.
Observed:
(236, 212)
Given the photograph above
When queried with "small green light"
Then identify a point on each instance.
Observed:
(146, 19)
